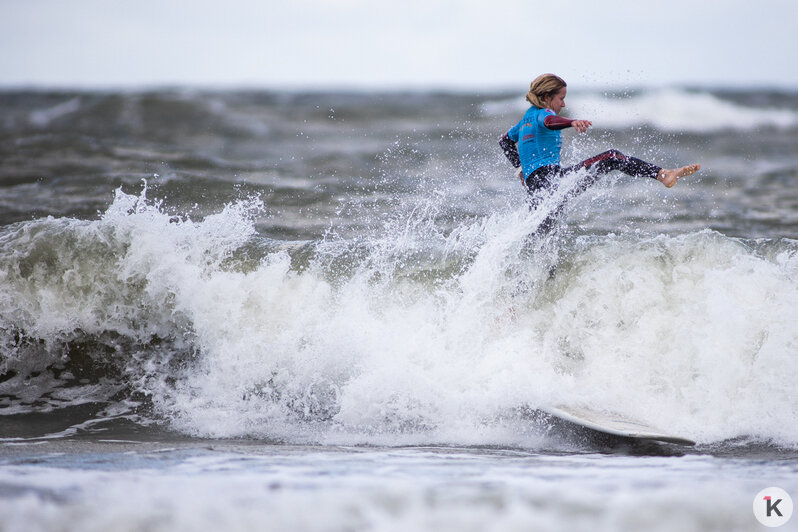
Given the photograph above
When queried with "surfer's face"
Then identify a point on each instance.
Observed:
(557, 101)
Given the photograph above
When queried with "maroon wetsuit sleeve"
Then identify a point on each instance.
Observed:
(510, 150)
(557, 122)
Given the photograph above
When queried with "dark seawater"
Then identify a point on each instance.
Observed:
(332, 311)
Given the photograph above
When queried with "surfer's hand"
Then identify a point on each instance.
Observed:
(519, 173)
(581, 125)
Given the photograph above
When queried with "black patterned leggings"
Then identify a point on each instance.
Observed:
(546, 177)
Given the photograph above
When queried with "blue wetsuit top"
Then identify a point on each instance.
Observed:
(538, 145)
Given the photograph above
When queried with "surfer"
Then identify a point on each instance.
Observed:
(533, 148)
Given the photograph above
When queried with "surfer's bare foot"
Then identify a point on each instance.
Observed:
(669, 176)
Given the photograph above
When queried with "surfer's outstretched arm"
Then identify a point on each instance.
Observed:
(557, 123)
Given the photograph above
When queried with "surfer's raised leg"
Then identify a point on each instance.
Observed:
(669, 176)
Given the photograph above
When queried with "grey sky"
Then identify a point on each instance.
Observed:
(413, 43)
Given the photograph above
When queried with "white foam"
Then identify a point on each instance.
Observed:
(434, 337)
(44, 117)
(666, 109)
(376, 490)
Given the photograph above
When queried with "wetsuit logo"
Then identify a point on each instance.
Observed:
(772, 507)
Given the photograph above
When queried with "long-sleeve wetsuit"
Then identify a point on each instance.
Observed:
(534, 145)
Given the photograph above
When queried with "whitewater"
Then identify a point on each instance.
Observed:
(329, 313)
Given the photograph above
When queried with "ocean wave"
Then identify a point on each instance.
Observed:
(410, 334)
(671, 110)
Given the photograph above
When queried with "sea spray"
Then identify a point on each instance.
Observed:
(691, 332)
(406, 334)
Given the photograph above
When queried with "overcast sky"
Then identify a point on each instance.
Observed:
(462, 44)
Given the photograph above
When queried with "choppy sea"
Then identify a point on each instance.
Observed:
(333, 311)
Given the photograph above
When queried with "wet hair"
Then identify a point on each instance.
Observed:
(543, 87)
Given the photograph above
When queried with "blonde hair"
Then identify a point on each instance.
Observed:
(543, 87)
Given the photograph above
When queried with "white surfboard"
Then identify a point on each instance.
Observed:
(613, 423)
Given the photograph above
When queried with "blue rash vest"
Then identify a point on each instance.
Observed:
(537, 145)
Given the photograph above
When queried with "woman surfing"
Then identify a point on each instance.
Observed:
(533, 148)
